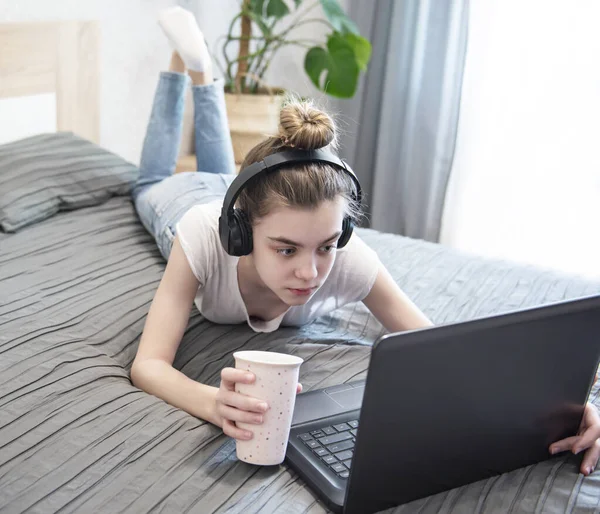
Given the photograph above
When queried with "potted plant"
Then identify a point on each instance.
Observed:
(333, 66)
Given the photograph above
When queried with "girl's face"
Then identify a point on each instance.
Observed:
(294, 249)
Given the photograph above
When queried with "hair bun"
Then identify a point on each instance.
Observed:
(306, 127)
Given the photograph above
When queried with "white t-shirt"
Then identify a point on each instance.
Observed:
(219, 298)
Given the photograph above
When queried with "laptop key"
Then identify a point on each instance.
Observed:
(347, 463)
(305, 437)
(312, 444)
(353, 424)
(339, 447)
(335, 438)
(346, 454)
(317, 433)
(338, 467)
(354, 432)
(321, 452)
(328, 430)
(342, 427)
(330, 459)
(344, 474)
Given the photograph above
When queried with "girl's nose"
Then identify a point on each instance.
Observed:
(308, 270)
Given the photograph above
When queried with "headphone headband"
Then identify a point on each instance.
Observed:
(286, 158)
(278, 160)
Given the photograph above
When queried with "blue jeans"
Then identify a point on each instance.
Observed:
(161, 198)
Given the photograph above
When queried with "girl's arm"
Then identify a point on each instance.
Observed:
(394, 310)
(152, 368)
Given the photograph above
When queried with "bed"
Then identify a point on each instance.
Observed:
(76, 283)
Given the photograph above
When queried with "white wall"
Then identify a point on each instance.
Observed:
(134, 50)
(25, 116)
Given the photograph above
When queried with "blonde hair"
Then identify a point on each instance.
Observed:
(303, 126)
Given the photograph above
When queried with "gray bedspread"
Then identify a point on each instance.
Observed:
(77, 436)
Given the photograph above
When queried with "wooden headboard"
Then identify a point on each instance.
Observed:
(55, 57)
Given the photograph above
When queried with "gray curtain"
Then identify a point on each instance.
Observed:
(400, 128)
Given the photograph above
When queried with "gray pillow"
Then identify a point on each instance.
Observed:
(47, 173)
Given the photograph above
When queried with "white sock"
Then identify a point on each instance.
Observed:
(180, 27)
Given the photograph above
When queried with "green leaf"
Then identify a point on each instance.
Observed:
(336, 15)
(269, 8)
(277, 9)
(257, 6)
(361, 48)
(333, 70)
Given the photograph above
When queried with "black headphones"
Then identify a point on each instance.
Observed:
(235, 230)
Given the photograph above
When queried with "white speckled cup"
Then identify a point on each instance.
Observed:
(276, 383)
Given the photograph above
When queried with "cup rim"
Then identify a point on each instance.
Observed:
(270, 358)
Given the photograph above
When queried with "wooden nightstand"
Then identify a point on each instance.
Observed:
(188, 163)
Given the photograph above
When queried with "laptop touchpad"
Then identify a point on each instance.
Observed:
(348, 399)
(322, 403)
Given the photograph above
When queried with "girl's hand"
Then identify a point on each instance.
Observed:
(232, 407)
(586, 439)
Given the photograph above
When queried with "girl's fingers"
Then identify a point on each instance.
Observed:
(589, 434)
(229, 376)
(564, 445)
(590, 459)
(232, 430)
(299, 388)
(587, 439)
(233, 414)
(243, 402)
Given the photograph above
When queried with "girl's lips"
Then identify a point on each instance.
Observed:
(302, 292)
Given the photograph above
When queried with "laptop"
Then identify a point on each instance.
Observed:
(448, 405)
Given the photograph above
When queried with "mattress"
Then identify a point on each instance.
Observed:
(77, 436)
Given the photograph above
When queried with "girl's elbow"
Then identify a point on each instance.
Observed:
(134, 373)
(139, 373)
(146, 373)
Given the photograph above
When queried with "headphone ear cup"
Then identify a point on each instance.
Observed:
(242, 240)
(347, 228)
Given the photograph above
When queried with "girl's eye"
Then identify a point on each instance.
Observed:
(328, 248)
(286, 252)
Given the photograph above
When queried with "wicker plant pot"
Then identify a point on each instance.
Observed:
(252, 118)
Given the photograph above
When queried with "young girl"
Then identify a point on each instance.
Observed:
(294, 272)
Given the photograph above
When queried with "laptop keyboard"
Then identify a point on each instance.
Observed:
(333, 445)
